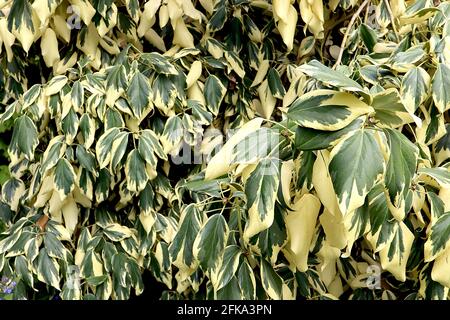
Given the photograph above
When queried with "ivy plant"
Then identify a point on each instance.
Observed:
(232, 149)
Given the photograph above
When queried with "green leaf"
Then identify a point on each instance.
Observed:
(159, 63)
(54, 152)
(442, 147)
(181, 247)
(210, 242)
(395, 255)
(401, 167)
(113, 118)
(87, 130)
(329, 76)
(164, 92)
(247, 281)
(70, 125)
(415, 88)
(31, 95)
(64, 178)
(116, 78)
(92, 265)
(104, 147)
(12, 191)
(102, 185)
(24, 139)
(440, 175)
(135, 171)
(235, 63)
(77, 94)
(146, 200)
(353, 182)
(48, 269)
(402, 61)
(326, 110)
(117, 232)
(441, 87)
(381, 219)
(307, 159)
(139, 94)
(119, 147)
(86, 159)
(55, 248)
(390, 111)
(271, 281)
(440, 234)
(218, 19)
(20, 15)
(261, 189)
(9, 241)
(55, 85)
(173, 134)
(311, 139)
(368, 36)
(116, 82)
(275, 84)
(199, 112)
(149, 146)
(230, 264)
(23, 269)
(214, 93)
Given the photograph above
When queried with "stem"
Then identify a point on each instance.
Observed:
(347, 32)
(391, 16)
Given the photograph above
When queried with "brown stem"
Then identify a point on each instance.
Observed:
(347, 32)
(42, 222)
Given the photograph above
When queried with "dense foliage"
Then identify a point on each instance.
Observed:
(233, 149)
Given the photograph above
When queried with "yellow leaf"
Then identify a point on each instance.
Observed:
(194, 73)
(153, 37)
(49, 48)
(7, 38)
(182, 36)
(281, 9)
(262, 72)
(70, 213)
(441, 266)
(323, 185)
(221, 162)
(84, 10)
(300, 226)
(268, 101)
(287, 28)
(397, 266)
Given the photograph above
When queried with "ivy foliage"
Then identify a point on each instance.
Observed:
(233, 149)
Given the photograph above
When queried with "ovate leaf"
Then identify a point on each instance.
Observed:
(329, 76)
(24, 139)
(48, 269)
(210, 242)
(441, 87)
(135, 172)
(326, 110)
(311, 139)
(439, 238)
(214, 93)
(353, 182)
(261, 190)
(271, 281)
(181, 247)
(415, 88)
(64, 178)
(401, 167)
(139, 93)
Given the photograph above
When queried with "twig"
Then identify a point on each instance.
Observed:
(347, 32)
(391, 16)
